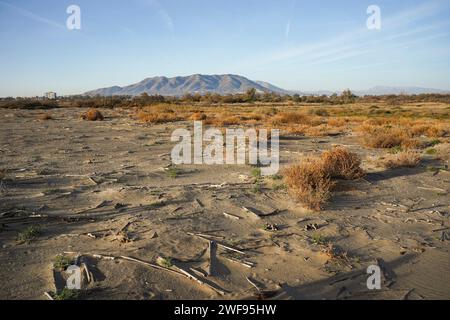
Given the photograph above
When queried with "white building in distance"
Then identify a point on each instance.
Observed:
(50, 95)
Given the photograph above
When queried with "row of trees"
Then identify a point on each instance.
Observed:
(251, 96)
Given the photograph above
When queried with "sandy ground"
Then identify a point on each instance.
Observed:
(83, 182)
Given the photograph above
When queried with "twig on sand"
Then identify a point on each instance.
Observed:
(89, 277)
(231, 216)
(48, 295)
(155, 266)
(253, 283)
(178, 271)
(192, 277)
(218, 243)
(440, 229)
(95, 255)
(100, 205)
(251, 212)
(92, 180)
(211, 252)
(432, 189)
(246, 264)
(199, 203)
(198, 272)
(405, 296)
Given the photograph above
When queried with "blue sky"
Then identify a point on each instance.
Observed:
(294, 44)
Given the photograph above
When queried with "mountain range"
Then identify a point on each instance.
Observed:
(178, 86)
(229, 84)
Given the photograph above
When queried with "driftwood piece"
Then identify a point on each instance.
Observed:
(218, 243)
(155, 266)
(246, 264)
(198, 272)
(253, 284)
(198, 280)
(430, 188)
(177, 270)
(95, 255)
(231, 216)
(199, 203)
(48, 295)
(89, 276)
(254, 214)
(211, 257)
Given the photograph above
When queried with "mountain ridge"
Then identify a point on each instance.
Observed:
(231, 84)
(181, 85)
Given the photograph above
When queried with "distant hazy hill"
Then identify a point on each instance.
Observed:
(382, 90)
(378, 91)
(178, 86)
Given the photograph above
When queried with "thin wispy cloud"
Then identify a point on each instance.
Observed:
(350, 44)
(162, 13)
(32, 16)
(288, 29)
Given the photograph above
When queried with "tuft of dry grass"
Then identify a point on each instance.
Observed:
(289, 118)
(309, 183)
(342, 164)
(225, 120)
(429, 130)
(409, 159)
(385, 137)
(45, 117)
(198, 116)
(93, 115)
(149, 117)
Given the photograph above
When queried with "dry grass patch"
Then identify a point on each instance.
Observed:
(198, 116)
(150, 117)
(45, 117)
(342, 164)
(429, 130)
(225, 120)
(289, 118)
(385, 137)
(409, 159)
(92, 115)
(309, 183)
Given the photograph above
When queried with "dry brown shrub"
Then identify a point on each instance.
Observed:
(289, 118)
(408, 159)
(322, 131)
(385, 137)
(45, 117)
(198, 116)
(342, 164)
(309, 183)
(366, 128)
(160, 108)
(92, 115)
(157, 117)
(300, 129)
(436, 131)
(337, 122)
(412, 144)
(226, 121)
(317, 131)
